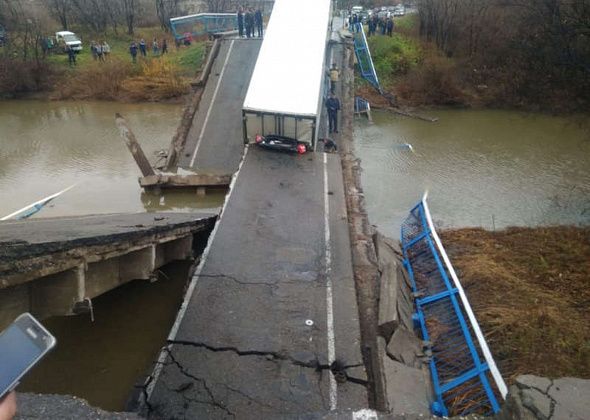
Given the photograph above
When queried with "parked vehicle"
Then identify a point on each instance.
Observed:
(399, 11)
(68, 39)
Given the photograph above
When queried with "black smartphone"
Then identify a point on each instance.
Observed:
(22, 345)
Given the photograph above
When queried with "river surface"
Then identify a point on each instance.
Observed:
(48, 146)
(482, 168)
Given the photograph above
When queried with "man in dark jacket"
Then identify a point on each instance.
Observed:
(389, 26)
(249, 22)
(333, 106)
(258, 22)
(241, 21)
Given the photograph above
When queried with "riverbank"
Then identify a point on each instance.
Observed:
(529, 290)
(156, 77)
(419, 74)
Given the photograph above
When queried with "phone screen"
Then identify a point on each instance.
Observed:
(17, 353)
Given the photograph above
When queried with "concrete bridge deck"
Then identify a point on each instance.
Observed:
(52, 266)
(273, 302)
(214, 144)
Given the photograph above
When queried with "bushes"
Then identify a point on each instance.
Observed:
(19, 76)
(118, 79)
(158, 79)
(434, 82)
(102, 81)
(393, 56)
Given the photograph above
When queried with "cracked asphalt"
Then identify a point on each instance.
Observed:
(245, 347)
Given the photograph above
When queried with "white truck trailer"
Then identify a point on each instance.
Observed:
(285, 96)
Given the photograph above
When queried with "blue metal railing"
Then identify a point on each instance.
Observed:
(363, 56)
(361, 105)
(464, 375)
(203, 24)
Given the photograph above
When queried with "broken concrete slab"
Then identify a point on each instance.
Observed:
(405, 347)
(532, 381)
(537, 398)
(571, 397)
(405, 301)
(388, 262)
(407, 391)
(537, 402)
(396, 304)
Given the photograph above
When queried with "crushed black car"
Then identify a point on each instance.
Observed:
(281, 143)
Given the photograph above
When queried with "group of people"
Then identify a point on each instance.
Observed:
(141, 47)
(100, 50)
(374, 23)
(248, 19)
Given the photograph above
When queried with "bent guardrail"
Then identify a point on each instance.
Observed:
(203, 24)
(464, 375)
(363, 56)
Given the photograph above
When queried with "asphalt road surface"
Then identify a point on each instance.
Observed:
(273, 303)
(215, 143)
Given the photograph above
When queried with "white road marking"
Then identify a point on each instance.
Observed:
(191, 288)
(329, 297)
(231, 45)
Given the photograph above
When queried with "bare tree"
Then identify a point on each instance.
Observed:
(218, 6)
(165, 10)
(61, 10)
(130, 8)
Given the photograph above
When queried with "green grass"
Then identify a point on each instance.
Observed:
(393, 56)
(188, 59)
(407, 23)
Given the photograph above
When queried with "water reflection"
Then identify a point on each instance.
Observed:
(48, 146)
(482, 168)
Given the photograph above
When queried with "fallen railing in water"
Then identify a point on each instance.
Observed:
(464, 375)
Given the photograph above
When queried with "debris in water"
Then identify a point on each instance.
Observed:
(407, 146)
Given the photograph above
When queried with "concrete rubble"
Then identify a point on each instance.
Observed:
(404, 369)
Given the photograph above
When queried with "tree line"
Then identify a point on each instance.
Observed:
(538, 48)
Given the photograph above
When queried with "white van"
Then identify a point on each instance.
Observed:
(70, 39)
(356, 9)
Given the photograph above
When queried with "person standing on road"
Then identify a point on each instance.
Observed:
(334, 76)
(133, 51)
(258, 21)
(249, 18)
(142, 47)
(333, 106)
(241, 22)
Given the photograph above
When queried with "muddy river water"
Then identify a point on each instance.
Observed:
(47, 146)
(481, 168)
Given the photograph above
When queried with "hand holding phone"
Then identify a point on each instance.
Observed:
(22, 345)
(8, 406)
